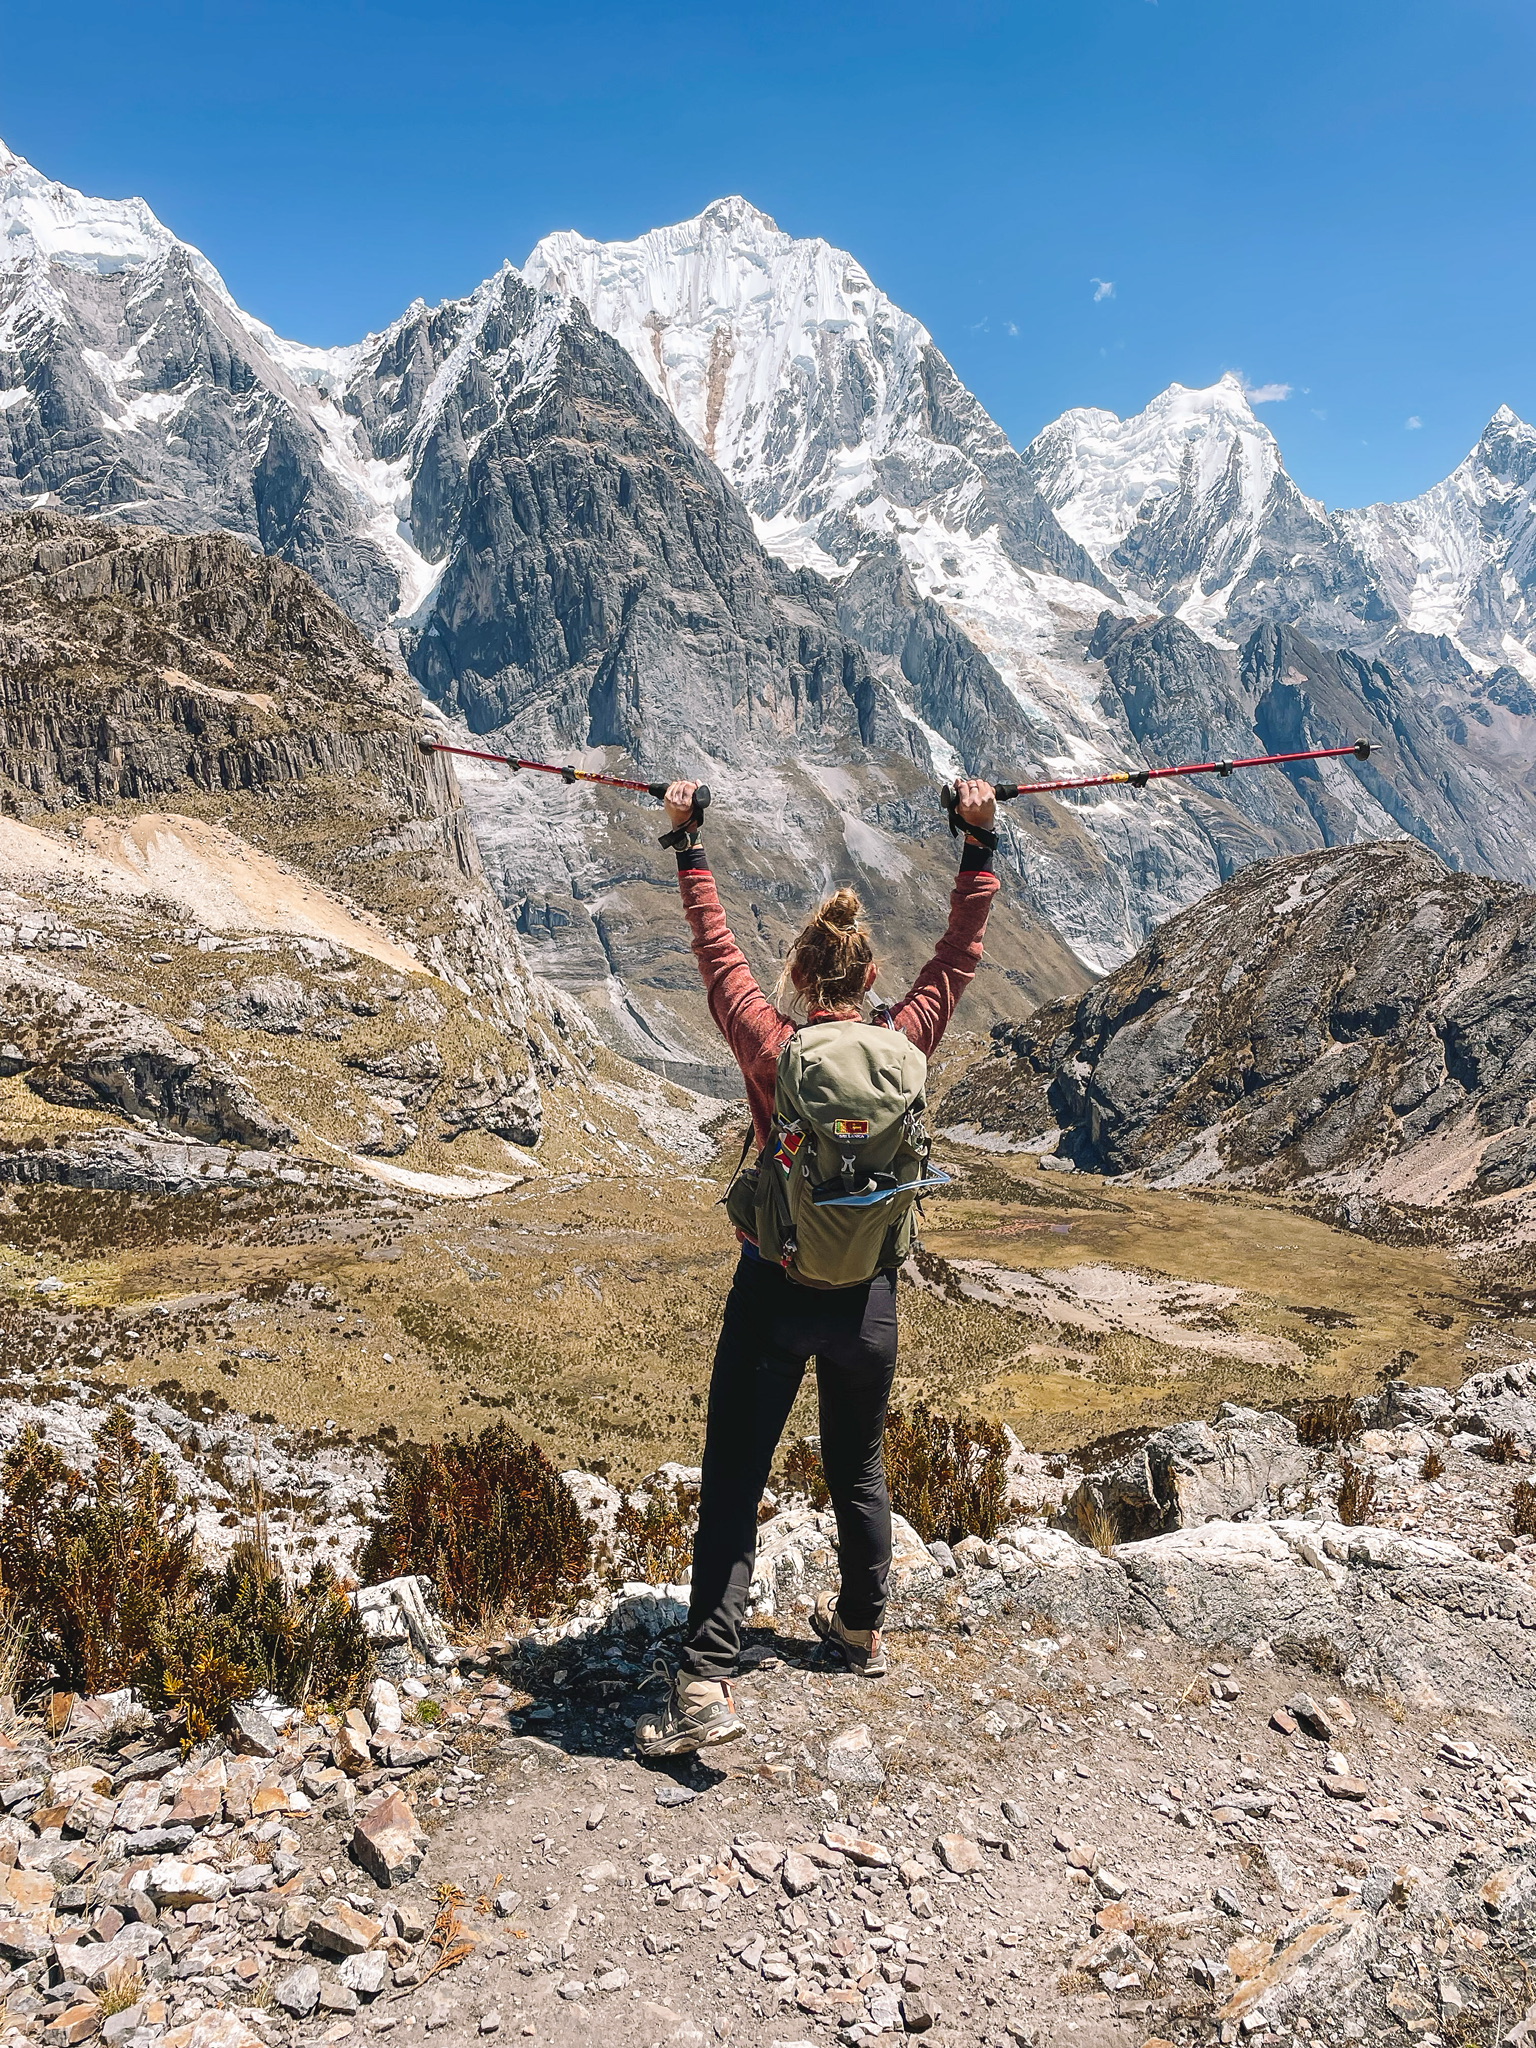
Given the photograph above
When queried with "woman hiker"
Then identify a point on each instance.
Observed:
(774, 1322)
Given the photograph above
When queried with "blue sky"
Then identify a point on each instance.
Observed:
(1330, 195)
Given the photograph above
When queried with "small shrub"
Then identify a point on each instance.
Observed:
(803, 1473)
(93, 1563)
(489, 1520)
(947, 1475)
(102, 1573)
(654, 1542)
(1325, 1423)
(1502, 1448)
(1433, 1465)
(1522, 1509)
(1357, 1495)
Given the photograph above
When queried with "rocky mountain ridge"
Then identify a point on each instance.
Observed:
(709, 502)
(1356, 1022)
(207, 768)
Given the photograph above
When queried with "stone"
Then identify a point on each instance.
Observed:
(250, 1732)
(612, 1980)
(350, 1744)
(799, 1874)
(387, 1842)
(851, 1758)
(505, 1904)
(1283, 1723)
(1192, 1473)
(1110, 1885)
(200, 1802)
(857, 1848)
(916, 2013)
(1311, 1718)
(299, 1992)
(762, 1859)
(490, 2022)
(173, 1883)
(340, 1931)
(959, 1854)
(365, 1973)
(384, 1712)
(213, 2030)
(1016, 1813)
(336, 1996)
(77, 2022)
(1340, 1786)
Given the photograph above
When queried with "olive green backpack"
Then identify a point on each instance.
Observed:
(832, 1194)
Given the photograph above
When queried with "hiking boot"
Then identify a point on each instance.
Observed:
(862, 1649)
(699, 1712)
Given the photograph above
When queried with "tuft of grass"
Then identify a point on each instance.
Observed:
(1522, 1509)
(947, 1474)
(1097, 1525)
(1433, 1465)
(1357, 1495)
(489, 1520)
(1502, 1448)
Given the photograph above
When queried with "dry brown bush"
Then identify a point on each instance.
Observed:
(803, 1473)
(1522, 1509)
(489, 1520)
(1357, 1495)
(947, 1474)
(1502, 1448)
(655, 1539)
(1326, 1422)
(101, 1572)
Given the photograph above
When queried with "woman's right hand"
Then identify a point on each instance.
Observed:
(679, 803)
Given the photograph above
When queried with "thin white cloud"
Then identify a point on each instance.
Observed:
(1413, 422)
(1012, 326)
(1265, 394)
(1103, 288)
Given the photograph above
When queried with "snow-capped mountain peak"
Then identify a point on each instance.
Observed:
(52, 223)
(1100, 473)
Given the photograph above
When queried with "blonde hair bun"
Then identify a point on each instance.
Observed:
(829, 964)
(840, 913)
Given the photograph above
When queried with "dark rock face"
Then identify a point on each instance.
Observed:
(603, 584)
(1358, 1019)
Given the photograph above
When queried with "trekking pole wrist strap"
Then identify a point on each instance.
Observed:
(687, 834)
(978, 835)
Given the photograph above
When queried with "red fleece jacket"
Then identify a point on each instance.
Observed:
(756, 1032)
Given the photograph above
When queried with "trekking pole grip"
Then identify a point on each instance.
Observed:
(695, 816)
(949, 796)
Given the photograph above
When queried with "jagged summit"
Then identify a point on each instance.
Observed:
(42, 220)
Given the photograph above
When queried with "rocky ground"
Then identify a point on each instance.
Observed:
(1266, 1774)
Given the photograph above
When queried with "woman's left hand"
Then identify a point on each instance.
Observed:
(976, 803)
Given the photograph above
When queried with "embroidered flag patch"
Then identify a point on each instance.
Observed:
(850, 1127)
(789, 1145)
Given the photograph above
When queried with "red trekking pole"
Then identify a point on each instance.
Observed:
(566, 774)
(1138, 778)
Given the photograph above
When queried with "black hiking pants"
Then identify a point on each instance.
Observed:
(773, 1328)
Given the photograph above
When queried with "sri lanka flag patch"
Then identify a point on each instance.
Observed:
(850, 1127)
